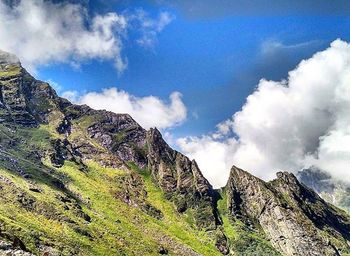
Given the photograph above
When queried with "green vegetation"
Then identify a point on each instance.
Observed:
(85, 211)
(90, 216)
(180, 226)
(242, 240)
(11, 70)
(115, 227)
(59, 194)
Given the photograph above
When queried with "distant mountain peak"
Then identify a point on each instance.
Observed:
(333, 191)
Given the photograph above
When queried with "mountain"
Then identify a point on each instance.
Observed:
(77, 181)
(333, 191)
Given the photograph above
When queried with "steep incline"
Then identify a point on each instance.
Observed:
(295, 218)
(181, 180)
(29, 102)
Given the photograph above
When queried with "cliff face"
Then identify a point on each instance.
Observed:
(181, 180)
(108, 186)
(294, 217)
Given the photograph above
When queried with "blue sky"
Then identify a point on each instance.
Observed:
(214, 61)
(194, 70)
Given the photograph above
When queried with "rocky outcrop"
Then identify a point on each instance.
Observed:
(181, 180)
(294, 218)
(13, 249)
(120, 135)
(24, 100)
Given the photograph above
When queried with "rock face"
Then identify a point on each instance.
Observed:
(121, 135)
(295, 218)
(181, 180)
(24, 100)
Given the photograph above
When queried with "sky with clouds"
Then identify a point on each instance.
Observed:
(261, 84)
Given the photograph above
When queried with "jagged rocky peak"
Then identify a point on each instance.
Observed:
(294, 218)
(181, 180)
(290, 215)
(23, 99)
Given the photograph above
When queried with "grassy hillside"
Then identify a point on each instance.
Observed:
(97, 210)
(87, 213)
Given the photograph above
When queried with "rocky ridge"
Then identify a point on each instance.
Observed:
(294, 218)
(44, 135)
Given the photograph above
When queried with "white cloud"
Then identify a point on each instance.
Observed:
(149, 111)
(212, 155)
(42, 32)
(6, 57)
(271, 46)
(286, 125)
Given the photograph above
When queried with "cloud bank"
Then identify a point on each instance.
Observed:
(42, 32)
(149, 111)
(286, 125)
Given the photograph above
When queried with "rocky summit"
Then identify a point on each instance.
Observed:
(77, 181)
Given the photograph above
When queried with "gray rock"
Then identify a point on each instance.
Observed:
(181, 180)
(294, 218)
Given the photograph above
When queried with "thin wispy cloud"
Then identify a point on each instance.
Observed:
(150, 28)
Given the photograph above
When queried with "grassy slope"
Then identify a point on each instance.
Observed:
(115, 227)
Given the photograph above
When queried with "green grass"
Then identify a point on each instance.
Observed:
(243, 241)
(11, 70)
(176, 224)
(116, 228)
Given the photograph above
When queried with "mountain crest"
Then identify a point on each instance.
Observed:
(288, 213)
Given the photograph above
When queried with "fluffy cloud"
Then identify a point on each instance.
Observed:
(41, 32)
(286, 125)
(148, 111)
(212, 155)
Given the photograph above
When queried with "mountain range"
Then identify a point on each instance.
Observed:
(77, 181)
